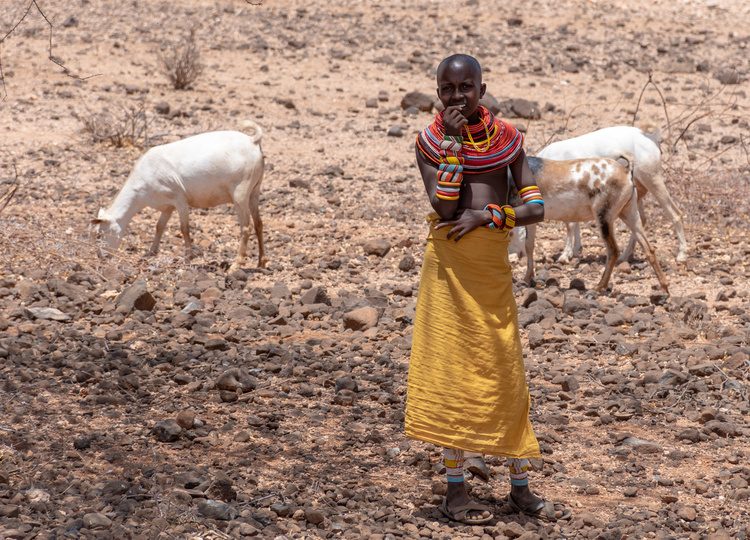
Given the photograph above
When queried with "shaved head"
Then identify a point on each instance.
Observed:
(461, 61)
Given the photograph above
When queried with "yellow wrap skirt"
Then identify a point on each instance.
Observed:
(467, 383)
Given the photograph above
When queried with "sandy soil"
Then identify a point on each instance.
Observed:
(82, 400)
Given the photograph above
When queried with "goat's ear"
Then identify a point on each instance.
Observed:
(96, 221)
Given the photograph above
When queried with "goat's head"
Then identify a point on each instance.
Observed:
(106, 230)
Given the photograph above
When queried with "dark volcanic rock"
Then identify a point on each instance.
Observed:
(420, 100)
(135, 297)
(167, 430)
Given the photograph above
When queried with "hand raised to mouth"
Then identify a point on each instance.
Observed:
(454, 120)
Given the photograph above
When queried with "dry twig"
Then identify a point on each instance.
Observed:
(51, 57)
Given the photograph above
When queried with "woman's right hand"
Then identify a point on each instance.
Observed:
(453, 120)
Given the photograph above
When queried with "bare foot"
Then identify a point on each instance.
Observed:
(458, 506)
(522, 500)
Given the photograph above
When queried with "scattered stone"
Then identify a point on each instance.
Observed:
(641, 446)
(221, 488)
(395, 131)
(314, 516)
(167, 430)
(346, 384)
(521, 108)
(96, 521)
(217, 510)
(377, 246)
(135, 297)
(315, 295)
(688, 513)
(407, 263)
(235, 379)
(729, 76)
(162, 107)
(50, 314)
(362, 318)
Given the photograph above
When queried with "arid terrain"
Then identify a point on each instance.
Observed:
(147, 397)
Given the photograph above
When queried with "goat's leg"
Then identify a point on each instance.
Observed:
(243, 216)
(659, 191)
(161, 226)
(258, 226)
(182, 210)
(641, 192)
(572, 243)
(529, 244)
(606, 229)
(632, 219)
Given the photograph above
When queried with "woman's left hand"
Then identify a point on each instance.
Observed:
(464, 221)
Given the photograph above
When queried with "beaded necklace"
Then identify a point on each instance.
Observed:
(471, 139)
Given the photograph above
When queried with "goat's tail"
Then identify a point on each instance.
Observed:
(628, 159)
(251, 128)
(651, 130)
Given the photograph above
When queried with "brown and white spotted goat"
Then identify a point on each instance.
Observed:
(598, 189)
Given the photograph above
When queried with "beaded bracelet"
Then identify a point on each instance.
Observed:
(450, 170)
(530, 195)
(503, 217)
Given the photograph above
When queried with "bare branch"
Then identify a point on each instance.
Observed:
(664, 105)
(8, 195)
(55, 60)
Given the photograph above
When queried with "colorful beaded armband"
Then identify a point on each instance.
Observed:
(503, 217)
(531, 194)
(450, 170)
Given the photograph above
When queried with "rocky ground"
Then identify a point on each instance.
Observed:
(150, 397)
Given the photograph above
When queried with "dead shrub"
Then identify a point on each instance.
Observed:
(128, 126)
(708, 196)
(181, 63)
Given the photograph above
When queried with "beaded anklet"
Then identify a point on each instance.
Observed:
(503, 217)
(451, 168)
(530, 195)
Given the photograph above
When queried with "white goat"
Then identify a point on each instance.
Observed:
(202, 171)
(578, 190)
(611, 143)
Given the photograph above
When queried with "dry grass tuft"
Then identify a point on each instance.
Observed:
(128, 127)
(181, 63)
(42, 242)
(707, 197)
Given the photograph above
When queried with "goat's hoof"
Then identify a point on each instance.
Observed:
(262, 262)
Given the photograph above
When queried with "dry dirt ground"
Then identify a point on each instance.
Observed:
(150, 397)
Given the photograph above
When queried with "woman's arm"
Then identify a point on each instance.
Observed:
(429, 170)
(526, 214)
